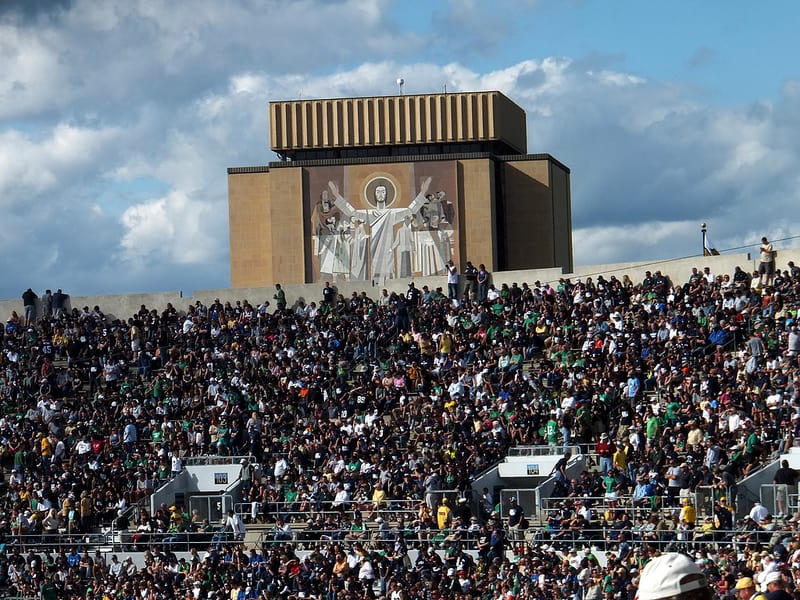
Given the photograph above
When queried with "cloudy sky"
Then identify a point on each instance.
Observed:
(118, 118)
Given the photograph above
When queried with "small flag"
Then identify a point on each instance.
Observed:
(709, 249)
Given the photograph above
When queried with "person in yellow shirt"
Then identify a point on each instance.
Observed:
(443, 514)
(688, 513)
(450, 452)
(445, 343)
(695, 435)
(46, 449)
(60, 342)
(705, 532)
(378, 501)
(620, 459)
(425, 344)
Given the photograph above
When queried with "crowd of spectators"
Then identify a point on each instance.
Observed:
(360, 405)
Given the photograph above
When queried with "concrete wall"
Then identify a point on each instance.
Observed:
(211, 478)
(114, 306)
(249, 216)
(476, 192)
(528, 223)
(562, 215)
(125, 305)
(286, 221)
(509, 216)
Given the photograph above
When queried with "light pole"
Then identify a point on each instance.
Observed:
(703, 231)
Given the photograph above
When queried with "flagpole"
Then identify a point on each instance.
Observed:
(703, 230)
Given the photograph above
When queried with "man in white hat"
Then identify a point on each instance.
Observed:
(605, 450)
(673, 576)
(775, 587)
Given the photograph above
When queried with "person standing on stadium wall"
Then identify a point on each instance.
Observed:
(766, 265)
(29, 298)
(452, 280)
(483, 283)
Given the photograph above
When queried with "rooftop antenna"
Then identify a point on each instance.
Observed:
(445, 88)
(400, 83)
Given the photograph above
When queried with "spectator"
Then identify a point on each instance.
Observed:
(29, 298)
(605, 450)
(235, 524)
(280, 297)
(237, 380)
(766, 265)
(673, 575)
(452, 280)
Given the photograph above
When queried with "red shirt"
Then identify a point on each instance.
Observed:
(606, 449)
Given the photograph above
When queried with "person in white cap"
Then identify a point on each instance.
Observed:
(673, 576)
(605, 450)
(775, 588)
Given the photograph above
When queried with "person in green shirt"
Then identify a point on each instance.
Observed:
(280, 297)
(48, 589)
(752, 452)
(551, 431)
(163, 472)
(157, 388)
(358, 529)
(583, 416)
(611, 487)
(497, 307)
(516, 360)
(651, 428)
(531, 318)
(502, 364)
(223, 438)
(672, 411)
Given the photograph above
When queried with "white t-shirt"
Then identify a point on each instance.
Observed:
(766, 251)
(366, 571)
(452, 274)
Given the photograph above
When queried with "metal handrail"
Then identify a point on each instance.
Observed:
(624, 503)
(549, 450)
(370, 539)
(533, 536)
(59, 540)
(389, 505)
(537, 537)
(131, 513)
(244, 509)
(216, 459)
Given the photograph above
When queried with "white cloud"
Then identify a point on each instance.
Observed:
(31, 73)
(616, 79)
(35, 166)
(640, 241)
(174, 229)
